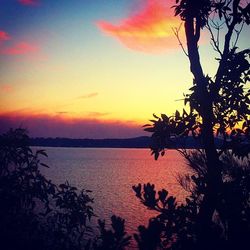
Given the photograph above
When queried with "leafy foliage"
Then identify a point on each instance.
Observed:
(202, 9)
(227, 92)
(166, 130)
(34, 211)
(176, 225)
(115, 238)
(191, 8)
(37, 214)
(216, 213)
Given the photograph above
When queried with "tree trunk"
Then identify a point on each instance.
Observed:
(206, 111)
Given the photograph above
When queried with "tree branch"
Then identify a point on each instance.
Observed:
(215, 42)
(238, 34)
(176, 33)
(193, 54)
(226, 50)
(228, 36)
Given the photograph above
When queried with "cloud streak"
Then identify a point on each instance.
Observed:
(90, 95)
(29, 2)
(21, 48)
(6, 88)
(97, 114)
(4, 36)
(149, 30)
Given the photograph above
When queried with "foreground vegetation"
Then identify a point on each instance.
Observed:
(216, 215)
(37, 214)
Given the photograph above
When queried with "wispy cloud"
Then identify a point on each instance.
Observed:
(90, 95)
(21, 48)
(4, 36)
(29, 2)
(97, 114)
(6, 88)
(10, 47)
(62, 112)
(149, 30)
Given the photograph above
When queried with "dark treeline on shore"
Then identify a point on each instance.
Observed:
(137, 142)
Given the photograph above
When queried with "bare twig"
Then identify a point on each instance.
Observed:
(176, 33)
(218, 37)
(227, 19)
(215, 41)
(238, 34)
(228, 37)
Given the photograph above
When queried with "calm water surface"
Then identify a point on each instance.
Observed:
(110, 174)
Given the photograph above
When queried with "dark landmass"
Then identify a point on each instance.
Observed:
(137, 142)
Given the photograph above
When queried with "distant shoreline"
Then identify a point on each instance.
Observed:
(137, 142)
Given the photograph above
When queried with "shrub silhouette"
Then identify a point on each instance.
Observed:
(34, 212)
(176, 226)
(113, 239)
(37, 214)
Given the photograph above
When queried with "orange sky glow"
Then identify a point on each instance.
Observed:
(80, 80)
(81, 68)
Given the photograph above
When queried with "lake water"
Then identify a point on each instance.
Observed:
(111, 173)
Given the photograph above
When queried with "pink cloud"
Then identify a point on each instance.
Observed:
(4, 36)
(21, 48)
(149, 30)
(6, 88)
(57, 126)
(28, 2)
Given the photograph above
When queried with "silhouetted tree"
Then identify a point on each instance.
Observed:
(217, 106)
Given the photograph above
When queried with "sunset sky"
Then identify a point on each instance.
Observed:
(91, 68)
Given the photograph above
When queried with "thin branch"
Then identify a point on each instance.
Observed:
(228, 37)
(227, 19)
(177, 100)
(214, 42)
(215, 25)
(231, 27)
(238, 34)
(176, 33)
(218, 37)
